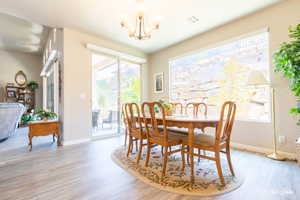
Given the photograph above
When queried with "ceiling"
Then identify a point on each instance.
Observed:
(21, 35)
(102, 17)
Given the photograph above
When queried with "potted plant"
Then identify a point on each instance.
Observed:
(27, 118)
(32, 85)
(287, 61)
(168, 109)
(45, 114)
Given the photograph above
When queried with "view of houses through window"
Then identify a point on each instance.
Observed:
(221, 73)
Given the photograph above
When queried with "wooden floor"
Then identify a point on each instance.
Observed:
(87, 172)
(19, 140)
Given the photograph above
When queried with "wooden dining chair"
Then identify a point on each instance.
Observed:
(197, 109)
(135, 129)
(125, 124)
(219, 143)
(177, 108)
(157, 133)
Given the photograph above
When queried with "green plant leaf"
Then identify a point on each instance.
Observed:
(287, 62)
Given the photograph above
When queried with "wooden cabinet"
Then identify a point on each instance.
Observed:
(44, 128)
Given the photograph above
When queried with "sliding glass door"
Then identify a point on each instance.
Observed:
(130, 82)
(114, 83)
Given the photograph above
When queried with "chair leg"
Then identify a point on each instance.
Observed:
(219, 168)
(191, 151)
(188, 155)
(229, 160)
(148, 154)
(182, 157)
(126, 135)
(165, 162)
(162, 150)
(139, 151)
(129, 146)
(136, 145)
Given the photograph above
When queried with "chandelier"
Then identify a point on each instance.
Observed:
(140, 30)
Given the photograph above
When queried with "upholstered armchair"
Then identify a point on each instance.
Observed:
(10, 116)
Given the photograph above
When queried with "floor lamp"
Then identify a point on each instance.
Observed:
(256, 78)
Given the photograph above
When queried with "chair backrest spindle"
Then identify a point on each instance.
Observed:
(133, 116)
(227, 116)
(151, 120)
(177, 107)
(197, 108)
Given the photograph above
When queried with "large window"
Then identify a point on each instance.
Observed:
(221, 73)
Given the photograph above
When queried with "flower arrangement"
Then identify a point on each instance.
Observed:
(44, 114)
(167, 106)
(27, 118)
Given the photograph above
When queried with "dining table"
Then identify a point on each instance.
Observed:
(189, 122)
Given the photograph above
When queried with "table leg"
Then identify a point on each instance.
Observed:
(58, 139)
(53, 138)
(191, 150)
(30, 142)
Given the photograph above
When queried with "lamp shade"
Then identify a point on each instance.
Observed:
(256, 78)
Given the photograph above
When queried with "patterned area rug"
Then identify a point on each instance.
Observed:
(206, 177)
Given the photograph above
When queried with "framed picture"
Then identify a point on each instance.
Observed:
(159, 82)
(11, 94)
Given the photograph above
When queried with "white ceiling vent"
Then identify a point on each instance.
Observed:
(193, 19)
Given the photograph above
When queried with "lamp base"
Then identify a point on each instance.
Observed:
(276, 156)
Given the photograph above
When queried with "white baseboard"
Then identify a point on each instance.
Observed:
(72, 142)
(290, 156)
(100, 137)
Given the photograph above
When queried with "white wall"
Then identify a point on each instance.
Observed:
(278, 18)
(11, 62)
(77, 77)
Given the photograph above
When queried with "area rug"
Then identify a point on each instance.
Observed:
(206, 177)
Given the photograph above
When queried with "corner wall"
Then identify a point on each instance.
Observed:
(278, 18)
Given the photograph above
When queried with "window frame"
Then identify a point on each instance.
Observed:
(223, 43)
(54, 68)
